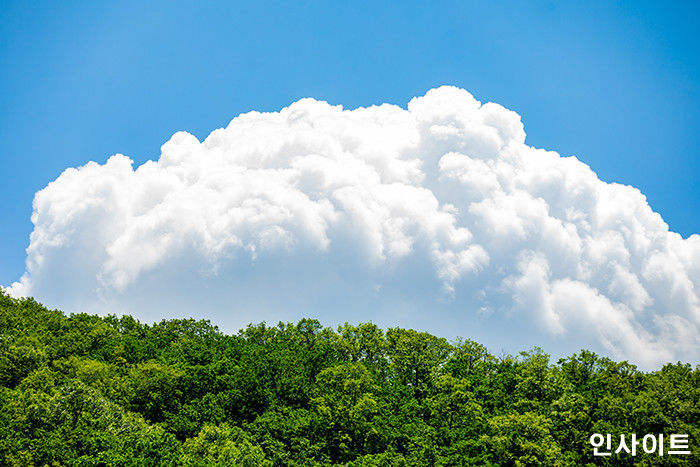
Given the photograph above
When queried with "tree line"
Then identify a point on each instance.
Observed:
(87, 390)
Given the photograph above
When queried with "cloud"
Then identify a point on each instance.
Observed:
(438, 215)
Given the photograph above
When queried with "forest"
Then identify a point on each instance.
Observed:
(88, 390)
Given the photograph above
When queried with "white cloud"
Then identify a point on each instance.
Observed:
(416, 217)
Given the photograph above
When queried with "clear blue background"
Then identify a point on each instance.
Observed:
(615, 83)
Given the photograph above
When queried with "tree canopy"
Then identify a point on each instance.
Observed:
(87, 390)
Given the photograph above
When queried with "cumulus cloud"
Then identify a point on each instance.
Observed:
(437, 215)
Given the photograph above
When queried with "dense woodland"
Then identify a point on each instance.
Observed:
(89, 390)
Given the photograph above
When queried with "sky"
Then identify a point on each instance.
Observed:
(616, 85)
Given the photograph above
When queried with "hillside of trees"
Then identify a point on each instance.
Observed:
(89, 390)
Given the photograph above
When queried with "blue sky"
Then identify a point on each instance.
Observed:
(617, 84)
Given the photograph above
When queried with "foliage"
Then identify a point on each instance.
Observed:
(89, 390)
